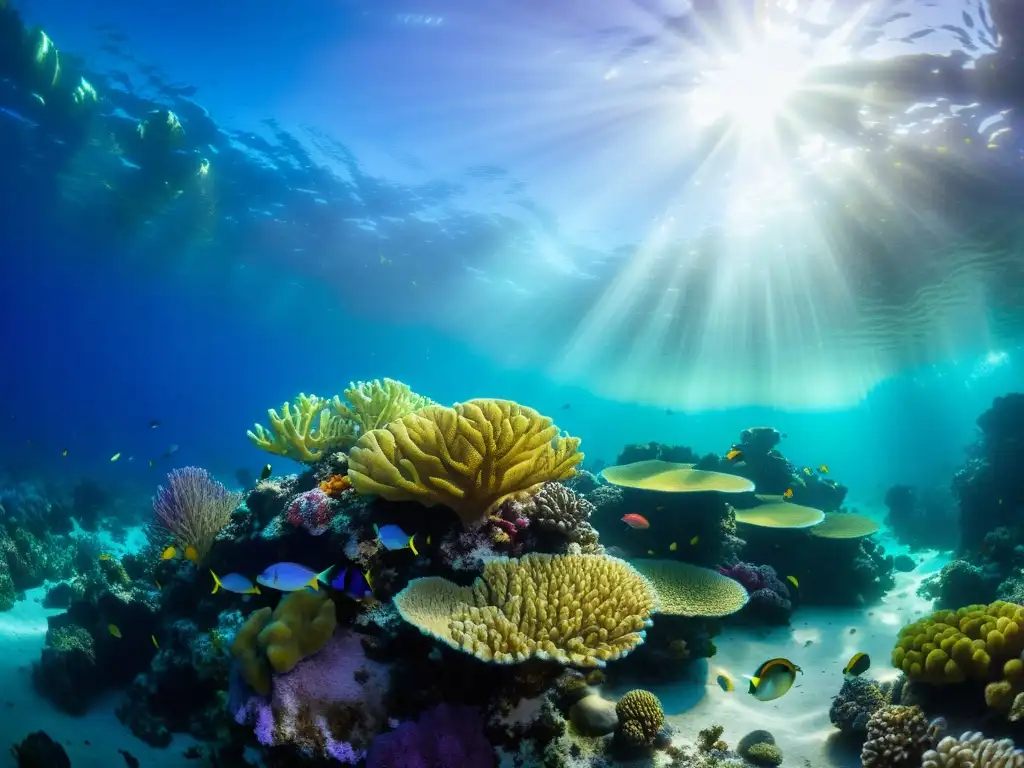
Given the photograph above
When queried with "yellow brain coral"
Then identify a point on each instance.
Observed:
(304, 430)
(684, 589)
(582, 610)
(471, 457)
(978, 642)
(640, 717)
(268, 642)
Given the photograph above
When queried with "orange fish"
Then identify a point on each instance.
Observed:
(788, 494)
(734, 455)
(633, 520)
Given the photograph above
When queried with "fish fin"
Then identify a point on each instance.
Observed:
(256, 590)
(314, 584)
(366, 575)
(216, 582)
(412, 545)
(325, 575)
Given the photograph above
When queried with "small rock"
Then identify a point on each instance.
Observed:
(594, 715)
(904, 563)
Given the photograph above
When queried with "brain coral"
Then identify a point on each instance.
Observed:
(471, 457)
(581, 610)
(640, 717)
(684, 589)
(977, 642)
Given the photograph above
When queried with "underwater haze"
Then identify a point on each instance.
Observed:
(773, 240)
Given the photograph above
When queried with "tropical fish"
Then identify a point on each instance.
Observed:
(291, 577)
(794, 581)
(64, 452)
(773, 679)
(393, 537)
(106, 556)
(823, 469)
(788, 493)
(152, 463)
(857, 665)
(234, 582)
(734, 455)
(633, 520)
(115, 457)
(112, 629)
(169, 553)
(808, 471)
(353, 582)
(725, 683)
(695, 541)
(154, 423)
(191, 554)
(155, 643)
(266, 472)
(673, 547)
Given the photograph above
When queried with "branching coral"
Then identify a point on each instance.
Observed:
(469, 458)
(305, 430)
(581, 610)
(640, 718)
(897, 738)
(973, 750)
(375, 404)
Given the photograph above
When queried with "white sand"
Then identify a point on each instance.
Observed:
(22, 710)
(799, 720)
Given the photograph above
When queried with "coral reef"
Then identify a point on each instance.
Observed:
(683, 589)
(507, 616)
(961, 583)
(445, 735)
(897, 737)
(922, 519)
(769, 596)
(294, 434)
(38, 750)
(973, 750)
(856, 702)
(375, 404)
(470, 458)
(640, 717)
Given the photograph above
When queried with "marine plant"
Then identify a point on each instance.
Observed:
(509, 614)
(469, 458)
(194, 508)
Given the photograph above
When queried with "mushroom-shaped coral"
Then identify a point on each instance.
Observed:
(684, 589)
(973, 750)
(776, 512)
(844, 525)
(300, 626)
(977, 642)
(670, 477)
(897, 738)
(582, 610)
(305, 430)
(375, 404)
(640, 718)
(470, 458)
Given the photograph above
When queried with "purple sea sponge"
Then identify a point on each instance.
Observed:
(446, 735)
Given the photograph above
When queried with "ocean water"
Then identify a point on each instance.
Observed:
(651, 222)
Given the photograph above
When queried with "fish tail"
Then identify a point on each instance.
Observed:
(412, 545)
(216, 582)
(256, 590)
(325, 575)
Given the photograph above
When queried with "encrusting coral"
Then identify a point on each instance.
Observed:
(897, 737)
(684, 589)
(978, 642)
(973, 750)
(580, 610)
(375, 404)
(470, 458)
(294, 434)
(640, 718)
(276, 641)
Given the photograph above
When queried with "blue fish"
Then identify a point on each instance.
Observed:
(291, 577)
(234, 582)
(393, 537)
(354, 583)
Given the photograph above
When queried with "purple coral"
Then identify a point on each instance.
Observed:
(311, 510)
(769, 596)
(444, 736)
(193, 508)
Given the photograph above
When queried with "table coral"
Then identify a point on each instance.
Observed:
(684, 589)
(581, 610)
(470, 458)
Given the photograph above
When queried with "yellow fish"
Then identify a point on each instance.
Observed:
(412, 545)
(793, 580)
(857, 665)
(106, 556)
(673, 547)
(112, 629)
(773, 679)
(725, 683)
(155, 643)
(823, 469)
(733, 455)
(807, 471)
(191, 554)
(788, 494)
(115, 457)
(169, 553)
(64, 452)
(695, 541)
